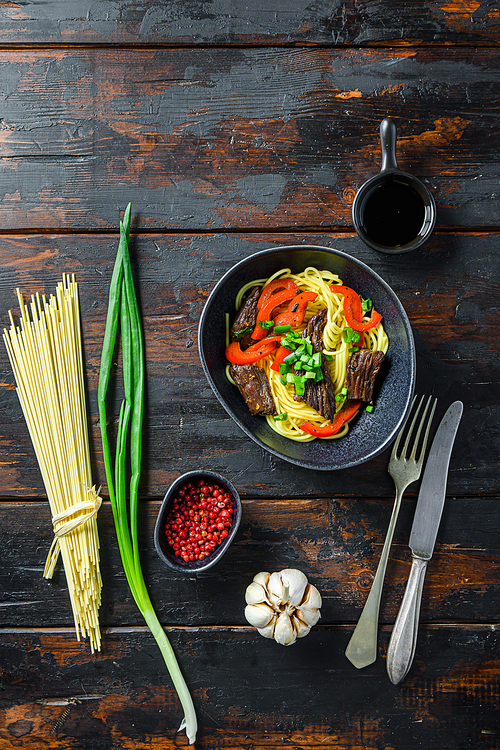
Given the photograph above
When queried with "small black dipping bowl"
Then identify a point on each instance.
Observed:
(164, 550)
(393, 212)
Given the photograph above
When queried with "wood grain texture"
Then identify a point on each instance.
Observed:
(449, 289)
(240, 138)
(215, 22)
(336, 542)
(232, 127)
(249, 692)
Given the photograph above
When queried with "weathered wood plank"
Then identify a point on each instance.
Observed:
(298, 22)
(249, 692)
(335, 542)
(449, 289)
(238, 138)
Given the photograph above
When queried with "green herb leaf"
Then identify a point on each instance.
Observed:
(238, 334)
(281, 417)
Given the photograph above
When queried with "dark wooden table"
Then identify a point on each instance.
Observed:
(233, 127)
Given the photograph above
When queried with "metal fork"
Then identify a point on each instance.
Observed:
(404, 468)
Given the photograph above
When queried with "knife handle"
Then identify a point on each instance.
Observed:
(404, 635)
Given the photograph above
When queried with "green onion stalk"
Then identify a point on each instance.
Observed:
(123, 314)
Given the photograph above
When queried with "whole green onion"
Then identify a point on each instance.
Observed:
(123, 313)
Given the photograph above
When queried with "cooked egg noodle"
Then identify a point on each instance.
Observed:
(311, 279)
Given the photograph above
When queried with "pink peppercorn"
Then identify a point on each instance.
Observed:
(186, 528)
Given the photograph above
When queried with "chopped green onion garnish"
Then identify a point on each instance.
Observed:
(281, 417)
(310, 375)
(291, 358)
(299, 381)
(370, 408)
(366, 305)
(350, 335)
(281, 329)
(265, 324)
(239, 333)
(290, 340)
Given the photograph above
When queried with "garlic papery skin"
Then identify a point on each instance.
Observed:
(259, 615)
(275, 589)
(255, 594)
(262, 578)
(312, 598)
(284, 632)
(309, 616)
(283, 605)
(295, 581)
(301, 629)
(268, 631)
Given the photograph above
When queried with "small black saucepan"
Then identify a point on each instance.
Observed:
(393, 212)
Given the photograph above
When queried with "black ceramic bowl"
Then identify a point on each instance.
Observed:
(165, 552)
(371, 433)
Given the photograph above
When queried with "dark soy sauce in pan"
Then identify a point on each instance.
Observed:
(393, 214)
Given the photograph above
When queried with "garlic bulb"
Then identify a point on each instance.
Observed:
(283, 606)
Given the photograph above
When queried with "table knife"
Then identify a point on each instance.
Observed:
(422, 539)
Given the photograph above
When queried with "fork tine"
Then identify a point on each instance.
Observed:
(426, 435)
(404, 432)
(412, 426)
(401, 432)
(419, 430)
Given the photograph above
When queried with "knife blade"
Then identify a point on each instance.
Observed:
(423, 535)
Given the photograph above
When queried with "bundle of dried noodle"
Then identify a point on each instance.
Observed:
(45, 352)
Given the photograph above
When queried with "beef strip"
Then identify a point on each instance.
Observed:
(319, 395)
(251, 379)
(254, 387)
(246, 319)
(362, 370)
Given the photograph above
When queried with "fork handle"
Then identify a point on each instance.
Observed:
(362, 648)
(404, 635)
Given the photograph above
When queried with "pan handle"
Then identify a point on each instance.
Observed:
(388, 144)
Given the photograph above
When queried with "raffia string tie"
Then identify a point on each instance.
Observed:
(64, 524)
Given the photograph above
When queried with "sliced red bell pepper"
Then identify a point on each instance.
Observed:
(257, 351)
(348, 410)
(274, 286)
(294, 316)
(353, 311)
(265, 312)
(280, 355)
